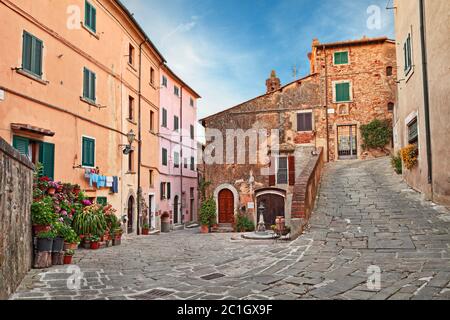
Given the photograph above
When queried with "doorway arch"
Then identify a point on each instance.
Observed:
(130, 210)
(274, 205)
(226, 206)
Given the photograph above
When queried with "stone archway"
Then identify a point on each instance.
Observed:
(233, 191)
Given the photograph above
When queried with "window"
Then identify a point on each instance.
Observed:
(90, 17)
(192, 163)
(191, 102)
(89, 79)
(192, 193)
(304, 122)
(169, 191)
(390, 107)
(407, 52)
(192, 132)
(413, 133)
(37, 151)
(176, 160)
(152, 121)
(102, 201)
(164, 118)
(163, 190)
(185, 163)
(341, 58)
(176, 123)
(164, 157)
(282, 173)
(176, 91)
(131, 161)
(342, 92)
(150, 179)
(152, 76)
(164, 81)
(88, 152)
(32, 54)
(389, 71)
(131, 54)
(130, 108)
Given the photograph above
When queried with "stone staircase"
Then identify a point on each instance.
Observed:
(224, 228)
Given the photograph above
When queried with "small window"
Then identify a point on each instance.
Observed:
(131, 54)
(151, 179)
(304, 122)
(390, 107)
(176, 160)
(164, 81)
(185, 163)
(89, 79)
(192, 132)
(163, 190)
(342, 91)
(282, 173)
(413, 133)
(164, 157)
(130, 108)
(191, 102)
(176, 123)
(407, 52)
(341, 58)
(389, 71)
(176, 91)
(192, 193)
(152, 121)
(32, 54)
(90, 17)
(164, 118)
(192, 163)
(102, 201)
(131, 161)
(88, 152)
(152, 76)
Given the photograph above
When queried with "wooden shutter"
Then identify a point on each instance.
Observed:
(37, 57)
(291, 170)
(161, 189)
(85, 83)
(92, 86)
(26, 51)
(168, 190)
(21, 144)
(343, 92)
(88, 149)
(47, 158)
(94, 19)
(272, 180)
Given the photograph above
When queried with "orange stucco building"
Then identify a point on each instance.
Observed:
(76, 77)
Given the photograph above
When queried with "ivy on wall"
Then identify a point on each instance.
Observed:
(376, 134)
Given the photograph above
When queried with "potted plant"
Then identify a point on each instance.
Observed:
(207, 215)
(117, 236)
(52, 187)
(68, 255)
(45, 241)
(71, 240)
(145, 229)
(76, 189)
(42, 215)
(95, 242)
(90, 221)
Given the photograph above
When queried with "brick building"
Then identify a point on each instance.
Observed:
(350, 84)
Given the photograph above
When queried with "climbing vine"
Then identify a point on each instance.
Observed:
(376, 134)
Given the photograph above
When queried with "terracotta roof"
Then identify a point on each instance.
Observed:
(351, 42)
(33, 129)
(263, 95)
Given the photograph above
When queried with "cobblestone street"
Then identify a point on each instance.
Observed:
(365, 216)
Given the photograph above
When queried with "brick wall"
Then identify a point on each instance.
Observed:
(16, 183)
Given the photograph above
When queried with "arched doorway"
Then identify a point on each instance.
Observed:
(130, 214)
(273, 207)
(226, 206)
(175, 210)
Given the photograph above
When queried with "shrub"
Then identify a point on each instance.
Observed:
(42, 212)
(244, 224)
(208, 212)
(397, 163)
(376, 134)
(66, 232)
(91, 221)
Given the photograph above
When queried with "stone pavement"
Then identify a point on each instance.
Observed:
(366, 220)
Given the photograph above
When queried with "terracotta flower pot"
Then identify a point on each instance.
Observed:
(145, 232)
(204, 229)
(41, 228)
(51, 191)
(68, 259)
(95, 245)
(70, 246)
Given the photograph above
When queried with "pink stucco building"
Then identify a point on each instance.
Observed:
(178, 152)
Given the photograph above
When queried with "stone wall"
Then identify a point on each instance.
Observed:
(305, 193)
(16, 183)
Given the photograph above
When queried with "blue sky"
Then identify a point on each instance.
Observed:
(225, 49)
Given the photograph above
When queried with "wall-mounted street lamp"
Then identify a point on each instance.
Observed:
(129, 147)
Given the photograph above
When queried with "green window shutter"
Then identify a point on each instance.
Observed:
(342, 92)
(161, 189)
(21, 144)
(176, 124)
(26, 51)
(102, 201)
(168, 191)
(341, 57)
(94, 19)
(88, 149)
(87, 14)
(164, 157)
(37, 57)
(92, 86)
(47, 159)
(90, 16)
(85, 83)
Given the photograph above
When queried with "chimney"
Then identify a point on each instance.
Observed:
(273, 83)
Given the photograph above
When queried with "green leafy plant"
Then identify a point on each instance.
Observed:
(66, 232)
(146, 226)
(91, 221)
(208, 212)
(69, 252)
(244, 224)
(94, 238)
(47, 234)
(396, 162)
(376, 134)
(42, 212)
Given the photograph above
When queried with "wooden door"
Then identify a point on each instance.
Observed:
(226, 206)
(273, 207)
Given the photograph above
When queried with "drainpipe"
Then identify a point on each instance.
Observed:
(426, 93)
(139, 191)
(326, 104)
(181, 153)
